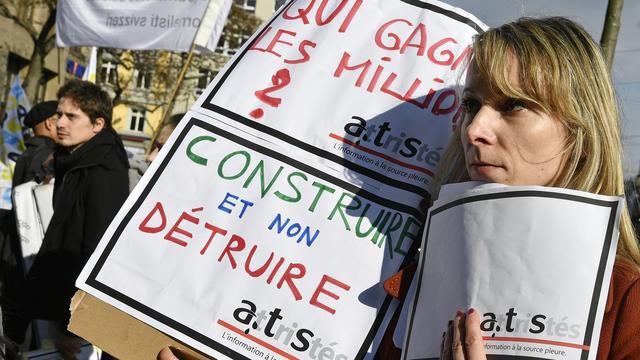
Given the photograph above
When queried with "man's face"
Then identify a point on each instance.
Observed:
(74, 126)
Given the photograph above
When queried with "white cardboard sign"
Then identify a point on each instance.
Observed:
(254, 234)
(535, 261)
(242, 251)
(367, 87)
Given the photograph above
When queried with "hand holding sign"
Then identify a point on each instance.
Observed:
(463, 338)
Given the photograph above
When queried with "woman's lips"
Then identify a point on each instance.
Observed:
(484, 167)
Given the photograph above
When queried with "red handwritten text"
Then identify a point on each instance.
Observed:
(239, 256)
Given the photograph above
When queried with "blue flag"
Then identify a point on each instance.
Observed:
(12, 122)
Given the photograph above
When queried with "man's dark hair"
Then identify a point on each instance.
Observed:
(90, 98)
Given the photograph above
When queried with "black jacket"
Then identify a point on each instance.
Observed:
(29, 165)
(91, 184)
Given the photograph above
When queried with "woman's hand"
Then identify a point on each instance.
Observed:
(463, 338)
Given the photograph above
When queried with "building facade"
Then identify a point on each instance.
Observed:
(140, 82)
(19, 21)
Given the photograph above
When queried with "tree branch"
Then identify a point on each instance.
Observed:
(50, 43)
(43, 37)
(4, 11)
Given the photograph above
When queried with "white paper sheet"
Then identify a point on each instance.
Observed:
(535, 261)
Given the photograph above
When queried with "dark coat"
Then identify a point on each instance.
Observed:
(29, 165)
(90, 187)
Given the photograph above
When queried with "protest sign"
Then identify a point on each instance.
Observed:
(265, 227)
(135, 24)
(260, 248)
(33, 210)
(364, 85)
(535, 261)
(30, 228)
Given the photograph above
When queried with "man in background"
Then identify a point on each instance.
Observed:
(91, 185)
(29, 166)
(35, 163)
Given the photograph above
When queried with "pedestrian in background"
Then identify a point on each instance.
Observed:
(91, 185)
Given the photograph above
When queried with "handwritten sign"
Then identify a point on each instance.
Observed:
(253, 245)
(364, 85)
(535, 261)
(266, 225)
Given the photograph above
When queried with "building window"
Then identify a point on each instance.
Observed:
(141, 79)
(279, 3)
(230, 47)
(108, 72)
(136, 121)
(204, 78)
(249, 5)
(223, 46)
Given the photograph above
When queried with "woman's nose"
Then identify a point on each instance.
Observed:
(482, 126)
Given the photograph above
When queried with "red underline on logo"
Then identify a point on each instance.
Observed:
(537, 341)
(386, 157)
(255, 339)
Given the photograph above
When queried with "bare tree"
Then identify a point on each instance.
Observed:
(240, 25)
(141, 78)
(43, 38)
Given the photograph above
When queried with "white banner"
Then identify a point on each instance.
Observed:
(212, 24)
(535, 261)
(134, 24)
(264, 229)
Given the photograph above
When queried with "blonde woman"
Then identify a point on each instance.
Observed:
(540, 110)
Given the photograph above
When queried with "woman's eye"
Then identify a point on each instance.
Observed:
(515, 105)
(470, 106)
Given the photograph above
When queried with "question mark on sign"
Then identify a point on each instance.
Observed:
(281, 79)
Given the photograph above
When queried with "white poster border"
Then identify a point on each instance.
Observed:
(205, 101)
(568, 196)
(386, 309)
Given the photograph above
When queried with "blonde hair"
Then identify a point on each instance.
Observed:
(561, 71)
